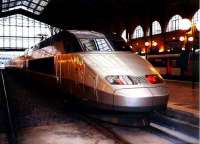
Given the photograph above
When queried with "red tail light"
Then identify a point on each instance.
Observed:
(153, 79)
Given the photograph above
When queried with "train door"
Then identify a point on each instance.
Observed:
(90, 82)
(80, 79)
(169, 66)
(78, 76)
(57, 68)
(65, 72)
(173, 68)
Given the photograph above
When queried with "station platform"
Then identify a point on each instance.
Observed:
(183, 97)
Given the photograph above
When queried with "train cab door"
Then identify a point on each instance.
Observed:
(65, 73)
(78, 76)
(90, 82)
(74, 66)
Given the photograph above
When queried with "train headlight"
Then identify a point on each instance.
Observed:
(132, 80)
(120, 80)
(154, 79)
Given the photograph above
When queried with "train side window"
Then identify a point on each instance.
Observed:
(88, 44)
(76, 46)
(71, 45)
(102, 44)
(174, 63)
(68, 46)
(159, 62)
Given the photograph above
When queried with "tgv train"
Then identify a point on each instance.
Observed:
(86, 66)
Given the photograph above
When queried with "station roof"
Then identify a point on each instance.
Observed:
(33, 6)
(91, 14)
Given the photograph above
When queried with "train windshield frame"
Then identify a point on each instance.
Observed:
(95, 44)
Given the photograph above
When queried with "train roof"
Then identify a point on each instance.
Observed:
(86, 34)
(63, 34)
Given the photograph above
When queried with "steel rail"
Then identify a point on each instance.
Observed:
(99, 126)
(11, 133)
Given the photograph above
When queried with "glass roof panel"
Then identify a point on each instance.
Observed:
(11, 4)
(37, 12)
(43, 3)
(18, 2)
(36, 1)
(39, 8)
(4, 6)
(4, 1)
(34, 6)
(25, 3)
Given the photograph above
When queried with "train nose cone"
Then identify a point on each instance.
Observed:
(137, 97)
(141, 98)
(160, 95)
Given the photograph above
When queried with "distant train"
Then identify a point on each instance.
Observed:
(86, 66)
(179, 65)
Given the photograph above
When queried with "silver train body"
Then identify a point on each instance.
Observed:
(94, 73)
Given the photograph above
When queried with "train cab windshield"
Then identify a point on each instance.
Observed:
(97, 44)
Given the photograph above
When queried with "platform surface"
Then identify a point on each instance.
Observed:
(183, 97)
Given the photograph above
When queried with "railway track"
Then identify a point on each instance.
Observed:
(100, 126)
(183, 127)
(125, 134)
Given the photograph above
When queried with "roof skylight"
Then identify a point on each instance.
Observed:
(34, 6)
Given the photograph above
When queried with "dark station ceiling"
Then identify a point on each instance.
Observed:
(97, 14)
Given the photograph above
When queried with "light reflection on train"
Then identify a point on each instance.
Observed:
(86, 66)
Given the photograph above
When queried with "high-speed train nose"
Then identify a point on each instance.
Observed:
(133, 97)
(160, 94)
(141, 98)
